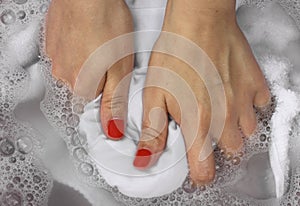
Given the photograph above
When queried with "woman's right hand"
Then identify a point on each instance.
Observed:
(210, 26)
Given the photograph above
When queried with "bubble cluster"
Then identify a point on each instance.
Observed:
(24, 145)
(292, 6)
(25, 182)
(20, 1)
(293, 9)
(8, 17)
(228, 171)
(7, 148)
(61, 108)
(14, 13)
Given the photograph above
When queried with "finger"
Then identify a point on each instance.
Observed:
(263, 96)
(154, 129)
(247, 120)
(231, 139)
(115, 98)
(201, 172)
(200, 153)
(202, 167)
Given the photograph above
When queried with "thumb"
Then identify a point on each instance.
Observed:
(114, 100)
(154, 129)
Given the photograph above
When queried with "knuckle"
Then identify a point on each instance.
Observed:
(203, 178)
(202, 172)
(149, 133)
(153, 138)
(117, 106)
(113, 102)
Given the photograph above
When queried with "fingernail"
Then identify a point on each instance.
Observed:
(116, 129)
(142, 158)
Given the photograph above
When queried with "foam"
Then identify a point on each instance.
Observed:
(64, 110)
(24, 179)
(204, 195)
(272, 17)
(278, 70)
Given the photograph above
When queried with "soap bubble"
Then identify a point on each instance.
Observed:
(86, 169)
(24, 145)
(12, 160)
(70, 131)
(36, 179)
(21, 14)
(80, 154)
(78, 108)
(12, 199)
(43, 8)
(236, 161)
(59, 83)
(7, 148)
(262, 137)
(73, 120)
(29, 197)
(188, 186)
(8, 17)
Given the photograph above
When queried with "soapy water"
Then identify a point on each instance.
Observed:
(229, 166)
(24, 180)
(68, 121)
(63, 109)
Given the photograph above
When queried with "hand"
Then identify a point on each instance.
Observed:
(212, 26)
(74, 30)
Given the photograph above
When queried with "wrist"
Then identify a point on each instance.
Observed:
(200, 14)
(86, 11)
(99, 5)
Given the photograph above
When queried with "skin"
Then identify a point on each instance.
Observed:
(75, 29)
(212, 26)
(225, 44)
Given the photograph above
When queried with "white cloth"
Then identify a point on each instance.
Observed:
(172, 168)
(115, 158)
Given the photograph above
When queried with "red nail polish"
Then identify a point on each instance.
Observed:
(142, 158)
(116, 129)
